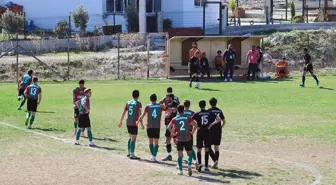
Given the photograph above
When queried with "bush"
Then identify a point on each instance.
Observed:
(132, 19)
(81, 17)
(111, 29)
(292, 9)
(167, 24)
(61, 28)
(298, 19)
(12, 22)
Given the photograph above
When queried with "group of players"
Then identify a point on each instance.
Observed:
(181, 123)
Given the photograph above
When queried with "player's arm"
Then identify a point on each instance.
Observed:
(217, 120)
(224, 56)
(163, 107)
(86, 109)
(194, 125)
(310, 61)
(39, 96)
(74, 99)
(247, 57)
(143, 115)
(123, 115)
(25, 93)
(189, 65)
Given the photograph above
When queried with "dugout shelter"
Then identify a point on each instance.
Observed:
(178, 50)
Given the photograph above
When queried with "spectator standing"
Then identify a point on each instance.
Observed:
(229, 58)
(252, 59)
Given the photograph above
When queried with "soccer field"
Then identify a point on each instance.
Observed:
(276, 133)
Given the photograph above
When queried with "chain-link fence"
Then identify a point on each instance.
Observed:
(121, 56)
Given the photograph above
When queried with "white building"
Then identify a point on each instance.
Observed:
(183, 13)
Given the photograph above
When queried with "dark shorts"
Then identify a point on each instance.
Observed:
(194, 72)
(184, 145)
(84, 121)
(21, 91)
(216, 136)
(76, 112)
(219, 67)
(31, 105)
(203, 140)
(153, 133)
(309, 68)
(133, 130)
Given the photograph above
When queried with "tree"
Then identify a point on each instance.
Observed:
(167, 23)
(232, 5)
(132, 19)
(292, 8)
(81, 17)
(61, 28)
(12, 22)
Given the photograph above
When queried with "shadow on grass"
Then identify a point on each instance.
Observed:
(235, 80)
(237, 174)
(45, 112)
(327, 88)
(208, 89)
(48, 129)
(105, 139)
(106, 148)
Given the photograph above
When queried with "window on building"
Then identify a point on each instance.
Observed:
(115, 6)
(198, 2)
(157, 5)
(153, 6)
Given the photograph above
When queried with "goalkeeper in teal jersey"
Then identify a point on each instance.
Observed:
(133, 110)
(23, 83)
(153, 112)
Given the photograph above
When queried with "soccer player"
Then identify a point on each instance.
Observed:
(205, 120)
(190, 113)
(84, 120)
(24, 82)
(33, 93)
(170, 114)
(194, 69)
(216, 132)
(308, 67)
(193, 50)
(180, 127)
(153, 112)
(229, 57)
(165, 99)
(133, 110)
(77, 94)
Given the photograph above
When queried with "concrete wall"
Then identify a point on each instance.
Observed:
(175, 52)
(185, 14)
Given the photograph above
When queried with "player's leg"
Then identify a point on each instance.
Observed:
(249, 71)
(168, 143)
(22, 98)
(76, 114)
(207, 145)
(150, 141)
(254, 68)
(129, 145)
(199, 145)
(197, 79)
(180, 157)
(217, 138)
(303, 77)
(33, 112)
(28, 115)
(134, 133)
(79, 130)
(156, 143)
(314, 76)
(192, 78)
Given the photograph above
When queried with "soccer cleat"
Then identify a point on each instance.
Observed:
(128, 155)
(189, 171)
(29, 126)
(215, 165)
(92, 145)
(206, 169)
(225, 80)
(19, 108)
(190, 84)
(230, 79)
(302, 85)
(168, 158)
(134, 157)
(200, 168)
(179, 172)
(77, 143)
(196, 165)
(317, 83)
(153, 159)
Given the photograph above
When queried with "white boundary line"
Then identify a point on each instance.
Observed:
(306, 167)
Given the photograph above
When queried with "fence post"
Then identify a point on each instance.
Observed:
(118, 37)
(17, 57)
(148, 49)
(69, 34)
